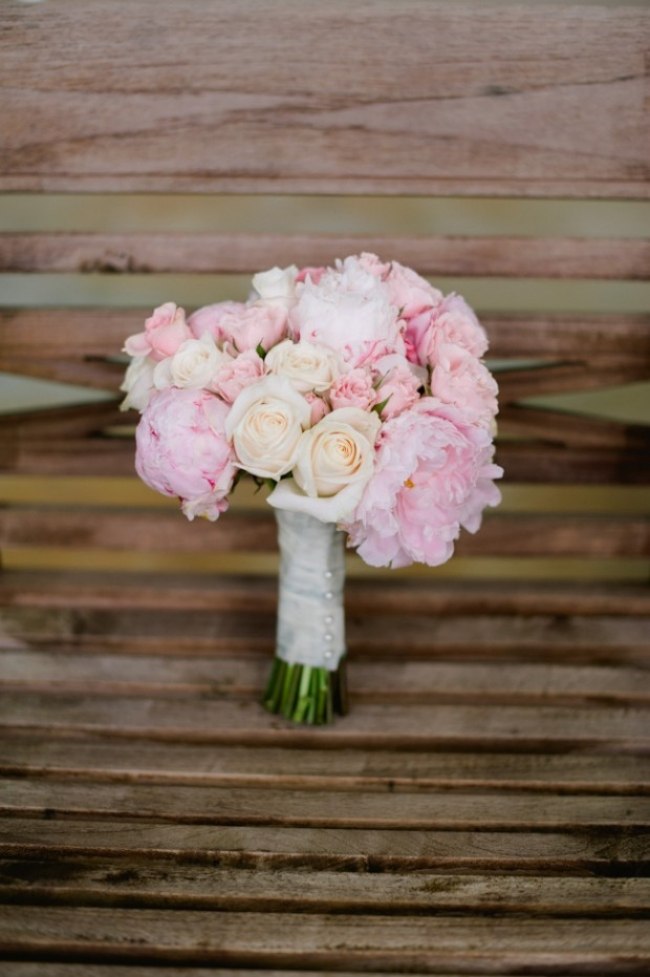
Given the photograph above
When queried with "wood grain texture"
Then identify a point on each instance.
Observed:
(449, 98)
(511, 257)
(332, 942)
(106, 592)
(512, 535)
(77, 335)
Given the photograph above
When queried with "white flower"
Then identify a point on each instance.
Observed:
(309, 367)
(348, 310)
(277, 286)
(193, 365)
(138, 383)
(335, 460)
(265, 424)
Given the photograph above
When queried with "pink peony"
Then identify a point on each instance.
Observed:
(254, 325)
(237, 373)
(208, 319)
(313, 273)
(353, 389)
(182, 450)
(164, 331)
(433, 474)
(452, 321)
(349, 310)
(460, 379)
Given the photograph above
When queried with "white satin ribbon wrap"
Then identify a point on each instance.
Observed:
(311, 616)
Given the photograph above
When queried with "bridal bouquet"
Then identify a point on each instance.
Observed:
(358, 394)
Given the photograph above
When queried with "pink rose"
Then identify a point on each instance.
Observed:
(409, 292)
(318, 407)
(433, 474)
(460, 379)
(250, 326)
(399, 390)
(231, 378)
(164, 331)
(313, 273)
(452, 321)
(353, 389)
(208, 319)
(182, 450)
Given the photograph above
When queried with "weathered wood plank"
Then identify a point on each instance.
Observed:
(394, 681)
(535, 462)
(333, 942)
(600, 640)
(432, 91)
(437, 810)
(562, 427)
(515, 535)
(156, 253)
(606, 852)
(27, 335)
(385, 726)
(34, 589)
(87, 757)
(148, 884)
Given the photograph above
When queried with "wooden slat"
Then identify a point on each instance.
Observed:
(401, 681)
(33, 589)
(562, 427)
(84, 334)
(431, 811)
(88, 757)
(449, 99)
(533, 462)
(378, 726)
(148, 883)
(514, 535)
(606, 852)
(332, 942)
(516, 257)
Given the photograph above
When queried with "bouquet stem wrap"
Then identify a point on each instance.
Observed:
(307, 682)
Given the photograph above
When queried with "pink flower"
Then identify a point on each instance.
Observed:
(349, 310)
(315, 274)
(164, 331)
(208, 319)
(182, 450)
(452, 321)
(353, 389)
(460, 379)
(399, 390)
(433, 474)
(231, 378)
(409, 292)
(250, 326)
(318, 407)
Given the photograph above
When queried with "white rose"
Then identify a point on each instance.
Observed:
(193, 365)
(138, 383)
(265, 424)
(309, 367)
(335, 461)
(276, 286)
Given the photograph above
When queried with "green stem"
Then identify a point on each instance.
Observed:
(306, 694)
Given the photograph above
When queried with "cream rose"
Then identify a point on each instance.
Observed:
(277, 286)
(335, 460)
(265, 425)
(308, 366)
(192, 366)
(138, 383)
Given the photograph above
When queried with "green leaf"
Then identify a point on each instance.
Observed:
(261, 352)
(379, 407)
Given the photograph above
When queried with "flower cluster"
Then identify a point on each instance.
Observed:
(357, 391)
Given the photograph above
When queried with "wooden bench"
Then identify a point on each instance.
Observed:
(484, 808)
